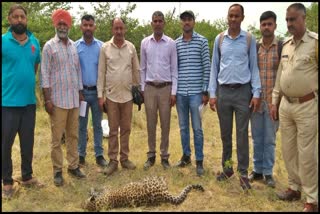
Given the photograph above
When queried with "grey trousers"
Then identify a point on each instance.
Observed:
(234, 101)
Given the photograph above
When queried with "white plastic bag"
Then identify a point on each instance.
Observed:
(105, 127)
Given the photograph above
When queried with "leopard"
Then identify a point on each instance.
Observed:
(150, 191)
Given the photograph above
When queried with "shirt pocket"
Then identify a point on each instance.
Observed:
(303, 61)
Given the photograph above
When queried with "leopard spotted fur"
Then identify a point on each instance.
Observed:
(148, 192)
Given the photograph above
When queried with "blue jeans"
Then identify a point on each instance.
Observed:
(264, 137)
(186, 104)
(91, 97)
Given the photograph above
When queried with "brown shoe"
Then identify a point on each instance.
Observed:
(111, 168)
(127, 164)
(289, 195)
(33, 182)
(309, 207)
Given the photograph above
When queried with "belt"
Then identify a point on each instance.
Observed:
(90, 87)
(300, 99)
(233, 86)
(159, 84)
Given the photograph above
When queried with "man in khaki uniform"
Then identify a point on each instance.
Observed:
(118, 71)
(297, 81)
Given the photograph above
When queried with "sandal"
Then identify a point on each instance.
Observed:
(7, 192)
(33, 182)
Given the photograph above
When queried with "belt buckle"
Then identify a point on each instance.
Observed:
(293, 100)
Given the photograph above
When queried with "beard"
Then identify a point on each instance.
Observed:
(62, 34)
(19, 28)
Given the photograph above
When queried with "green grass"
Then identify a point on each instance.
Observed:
(226, 196)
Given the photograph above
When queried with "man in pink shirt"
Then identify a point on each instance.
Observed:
(159, 85)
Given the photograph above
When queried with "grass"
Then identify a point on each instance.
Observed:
(225, 196)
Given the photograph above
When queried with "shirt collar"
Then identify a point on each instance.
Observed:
(242, 33)
(163, 37)
(274, 41)
(112, 42)
(83, 41)
(57, 39)
(303, 39)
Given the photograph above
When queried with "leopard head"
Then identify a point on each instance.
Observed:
(95, 201)
(90, 204)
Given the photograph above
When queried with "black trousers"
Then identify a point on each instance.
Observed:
(19, 120)
(234, 101)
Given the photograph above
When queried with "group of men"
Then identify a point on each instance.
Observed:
(245, 78)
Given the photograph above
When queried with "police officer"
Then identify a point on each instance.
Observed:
(297, 80)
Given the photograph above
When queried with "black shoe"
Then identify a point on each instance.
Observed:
(224, 176)
(184, 161)
(82, 160)
(244, 183)
(199, 167)
(101, 161)
(149, 163)
(58, 179)
(269, 181)
(76, 173)
(255, 176)
(165, 163)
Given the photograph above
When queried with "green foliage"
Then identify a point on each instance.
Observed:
(312, 17)
(209, 31)
(228, 164)
(254, 31)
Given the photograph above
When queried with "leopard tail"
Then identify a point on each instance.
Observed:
(183, 195)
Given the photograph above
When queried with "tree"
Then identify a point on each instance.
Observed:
(312, 17)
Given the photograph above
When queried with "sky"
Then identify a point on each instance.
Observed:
(209, 11)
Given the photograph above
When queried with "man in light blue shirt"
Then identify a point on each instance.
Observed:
(234, 87)
(89, 49)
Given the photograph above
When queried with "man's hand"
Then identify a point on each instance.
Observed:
(100, 103)
(81, 96)
(255, 103)
(274, 112)
(212, 103)
(205, 99)
(172, 100)
(49, 107)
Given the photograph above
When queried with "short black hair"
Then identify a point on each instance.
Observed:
(15, 7)
(298, 6)
(157, 13)
(268, 14)
(118, 18)
(87, 17)
(239, 5)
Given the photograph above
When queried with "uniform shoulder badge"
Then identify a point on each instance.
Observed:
(313, 35)
(286, 40)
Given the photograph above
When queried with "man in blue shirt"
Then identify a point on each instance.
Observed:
(89, 49)
(20, 60)
(193, 79)
(234, 87)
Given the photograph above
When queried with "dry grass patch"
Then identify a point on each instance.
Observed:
(225, 196)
